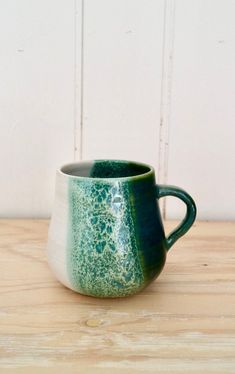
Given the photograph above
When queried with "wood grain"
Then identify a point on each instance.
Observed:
(183, 323)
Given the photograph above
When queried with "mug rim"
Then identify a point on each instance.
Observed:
(151, 170)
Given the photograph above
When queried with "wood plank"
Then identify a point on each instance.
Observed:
(37, 102)
(202, 130)
(184, 322)
(122, 79)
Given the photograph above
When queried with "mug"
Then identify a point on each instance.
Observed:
(106, 236)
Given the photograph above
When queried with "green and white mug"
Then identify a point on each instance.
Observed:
(106, 237)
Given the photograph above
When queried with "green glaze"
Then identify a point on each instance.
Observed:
(116, 243)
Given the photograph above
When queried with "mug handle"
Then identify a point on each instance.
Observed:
(184, 226)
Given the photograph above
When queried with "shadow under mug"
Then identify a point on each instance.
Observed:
(106, 236)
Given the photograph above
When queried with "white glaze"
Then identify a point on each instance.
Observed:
(57, 238)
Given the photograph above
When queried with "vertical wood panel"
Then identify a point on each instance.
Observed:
(36, 101)
(66, 95)
(122, 79)
(202, 132)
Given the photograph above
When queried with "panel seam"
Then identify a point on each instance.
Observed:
(166, 90)
(78, 78)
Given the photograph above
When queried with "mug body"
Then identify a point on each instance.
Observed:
(106, 237)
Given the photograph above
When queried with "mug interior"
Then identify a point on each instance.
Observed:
(106, 169)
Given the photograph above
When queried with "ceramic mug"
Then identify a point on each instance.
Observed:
(106, 237)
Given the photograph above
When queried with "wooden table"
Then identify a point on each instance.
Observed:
(183, 323)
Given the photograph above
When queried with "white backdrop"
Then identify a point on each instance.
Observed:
(147, 80)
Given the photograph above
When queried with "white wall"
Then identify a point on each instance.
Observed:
(202, 126)
(143, 80)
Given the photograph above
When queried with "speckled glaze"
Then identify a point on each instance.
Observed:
(112, 238)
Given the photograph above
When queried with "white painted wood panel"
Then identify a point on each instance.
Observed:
(36, 101)
(202, 125)
(145, 80)
(122, 79)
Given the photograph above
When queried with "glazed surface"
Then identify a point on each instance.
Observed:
(115, 238)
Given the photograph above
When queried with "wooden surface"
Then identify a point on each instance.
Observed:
(183, 323)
